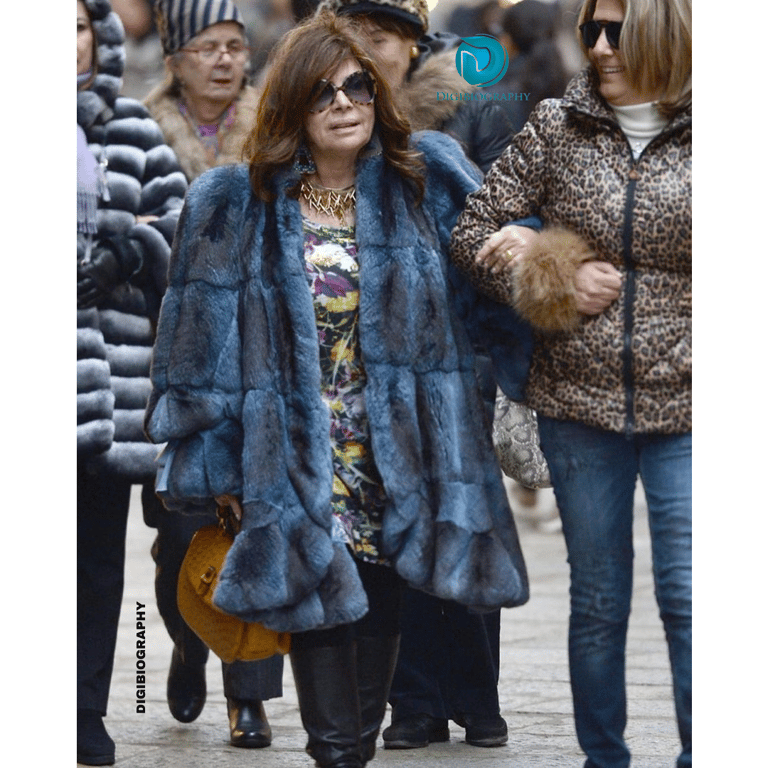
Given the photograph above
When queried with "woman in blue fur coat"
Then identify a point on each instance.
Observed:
(314, 369)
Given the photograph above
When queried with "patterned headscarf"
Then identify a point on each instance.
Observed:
(178, 21)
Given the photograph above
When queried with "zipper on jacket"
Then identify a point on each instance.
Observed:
(629, 297)
(629, 289)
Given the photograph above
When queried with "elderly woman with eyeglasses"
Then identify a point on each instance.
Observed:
(205, 106)
(314, 369)
(607, 284)
(205, 109)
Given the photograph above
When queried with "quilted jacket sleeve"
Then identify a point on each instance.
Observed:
(196, 398)
(163, 187)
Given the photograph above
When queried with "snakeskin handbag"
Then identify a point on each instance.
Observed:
(516, 441)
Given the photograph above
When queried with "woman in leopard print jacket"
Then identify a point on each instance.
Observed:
(607, 287)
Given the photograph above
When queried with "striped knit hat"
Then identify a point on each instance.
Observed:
(178, 21)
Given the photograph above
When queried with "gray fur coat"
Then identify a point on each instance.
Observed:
(115, 338)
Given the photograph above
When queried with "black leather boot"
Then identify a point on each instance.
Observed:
(376, 660)
(248, 725)
(326, 686)
(186, 688)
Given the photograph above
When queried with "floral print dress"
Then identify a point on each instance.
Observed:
(358, 501)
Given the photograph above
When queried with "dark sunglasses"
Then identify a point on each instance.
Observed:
(590, 32)
(359, 87)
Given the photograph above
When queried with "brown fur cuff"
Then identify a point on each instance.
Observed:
(544, 289)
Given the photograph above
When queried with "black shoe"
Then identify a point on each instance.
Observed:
(186, 689)
(484, 731)
(248, 726)
(415, 731)
(94, 745)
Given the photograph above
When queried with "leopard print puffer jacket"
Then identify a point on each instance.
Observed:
(627, 369)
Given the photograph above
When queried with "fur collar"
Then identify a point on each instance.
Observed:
(417, 98)
(182, 138)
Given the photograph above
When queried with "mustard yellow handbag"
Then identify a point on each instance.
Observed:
(229, 637)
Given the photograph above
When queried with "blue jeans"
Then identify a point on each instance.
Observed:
(593, 476)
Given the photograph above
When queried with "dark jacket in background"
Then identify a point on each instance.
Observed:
(537, 69)
(481, 127)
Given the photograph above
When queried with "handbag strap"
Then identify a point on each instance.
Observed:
(229, 520)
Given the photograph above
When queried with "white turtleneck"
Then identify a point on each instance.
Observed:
(641, 123)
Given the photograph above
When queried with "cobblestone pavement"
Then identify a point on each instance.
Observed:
(534, 690)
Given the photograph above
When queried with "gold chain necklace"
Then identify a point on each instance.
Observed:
(332, 202)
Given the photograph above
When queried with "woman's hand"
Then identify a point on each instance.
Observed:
(503, 248)
(227, 500)
(597, 285)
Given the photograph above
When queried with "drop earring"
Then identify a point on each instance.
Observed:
(303, 162)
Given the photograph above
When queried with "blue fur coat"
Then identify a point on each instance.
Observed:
(236, 392)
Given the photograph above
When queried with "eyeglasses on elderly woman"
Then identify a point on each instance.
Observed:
(591, 30)
(359, 87)
(210, 52)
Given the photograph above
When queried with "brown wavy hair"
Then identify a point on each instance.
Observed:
(309, 52)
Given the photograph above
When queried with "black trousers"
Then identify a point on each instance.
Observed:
(247, 680)
(102, 517)
(448, 663)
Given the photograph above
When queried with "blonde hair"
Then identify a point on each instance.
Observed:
(655, 45)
